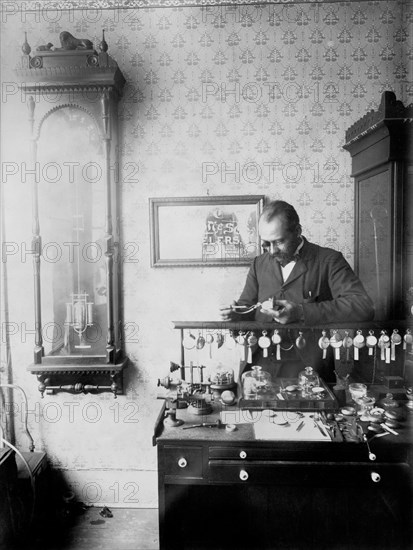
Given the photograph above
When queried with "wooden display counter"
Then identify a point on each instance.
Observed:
(221, 489)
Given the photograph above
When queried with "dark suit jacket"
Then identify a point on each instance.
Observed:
(322, 281)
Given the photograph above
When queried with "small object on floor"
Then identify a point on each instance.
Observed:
(106, 513)
(97, 522)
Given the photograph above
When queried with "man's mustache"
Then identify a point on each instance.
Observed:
(282, 256)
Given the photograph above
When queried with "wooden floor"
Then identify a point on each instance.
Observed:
(128, 529)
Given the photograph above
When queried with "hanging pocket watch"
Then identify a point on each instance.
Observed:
(371, 342)
(323, 343)
(336, 342)
(358, 343)
(396, 339)
(276, 339)
(264, 342)
(347, 343)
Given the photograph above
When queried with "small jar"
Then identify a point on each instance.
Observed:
(388, 402)
(307, 380)
(357, 391)
(255, 383)
(365, 404)
(222, 377)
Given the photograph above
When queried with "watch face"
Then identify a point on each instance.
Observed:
(264, 342)
(371, 341)
(408, 338)
(359, 341)
(276, 338)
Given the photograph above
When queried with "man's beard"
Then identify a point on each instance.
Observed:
(283, 258)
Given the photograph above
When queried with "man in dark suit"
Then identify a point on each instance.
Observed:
(296, 281)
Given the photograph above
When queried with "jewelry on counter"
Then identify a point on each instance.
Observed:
(276, 339)
(358, 343)
(324, 343)
(336, 342)
(264, 342)
(371, 342)
(396, 339)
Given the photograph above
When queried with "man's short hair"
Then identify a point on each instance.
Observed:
(284, 209)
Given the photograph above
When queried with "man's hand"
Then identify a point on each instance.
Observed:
(287, 312)
(227, 313)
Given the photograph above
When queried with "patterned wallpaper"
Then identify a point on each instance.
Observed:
(219, 100)
(249, 99)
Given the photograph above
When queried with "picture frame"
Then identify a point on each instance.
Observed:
(205, 231)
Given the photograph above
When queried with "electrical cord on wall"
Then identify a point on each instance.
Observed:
(15, 386)
(32, 481)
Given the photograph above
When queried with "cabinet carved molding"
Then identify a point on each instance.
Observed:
(380, 144)
(72, 95)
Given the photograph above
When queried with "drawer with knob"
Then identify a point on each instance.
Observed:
(322, 452)
(306, 473)
(182, 462)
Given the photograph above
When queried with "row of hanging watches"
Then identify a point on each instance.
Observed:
(387, 344)
(247, 340)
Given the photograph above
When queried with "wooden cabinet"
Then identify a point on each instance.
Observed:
(380, 144)
(220, 490)
(78, 344)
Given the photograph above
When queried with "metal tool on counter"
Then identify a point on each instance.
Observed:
(319, 424)
(300, 426)
(194, 393)
(243, 310)
(372, 456)
(216, 424)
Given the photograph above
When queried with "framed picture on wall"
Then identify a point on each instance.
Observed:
(207, 231)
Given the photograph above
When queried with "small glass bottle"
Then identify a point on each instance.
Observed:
(389, 402)
(307, 380)
(255, 383)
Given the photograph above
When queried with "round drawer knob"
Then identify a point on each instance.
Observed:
(182, 463)
(243, 454)
(375, 477)
(243, 475)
